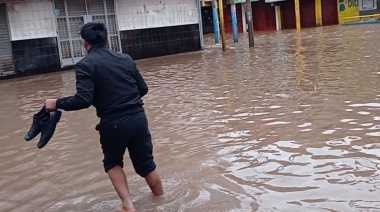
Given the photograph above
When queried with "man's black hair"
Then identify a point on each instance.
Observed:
(94, 33)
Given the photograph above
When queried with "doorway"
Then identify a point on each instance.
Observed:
(71, 15)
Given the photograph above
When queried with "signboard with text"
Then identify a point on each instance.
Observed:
(348, 8)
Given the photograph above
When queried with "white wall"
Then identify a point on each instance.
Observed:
(31, 19)
(140, 14)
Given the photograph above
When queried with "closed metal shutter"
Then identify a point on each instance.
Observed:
(72, 15)
(6, 62)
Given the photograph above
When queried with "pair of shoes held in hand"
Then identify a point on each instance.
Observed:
(44, 122)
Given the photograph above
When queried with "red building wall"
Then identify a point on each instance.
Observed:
(228, 18)
(329, 12)
(288, 15)
(264, 16)
(307, 12)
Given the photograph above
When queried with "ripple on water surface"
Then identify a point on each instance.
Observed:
(290, 125)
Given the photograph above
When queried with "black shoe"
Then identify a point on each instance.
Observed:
(35, 129)
(48, 125)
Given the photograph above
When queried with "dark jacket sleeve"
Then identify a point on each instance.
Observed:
(85, 90)
(140, 82)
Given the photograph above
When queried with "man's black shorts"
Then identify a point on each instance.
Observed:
(127, 132)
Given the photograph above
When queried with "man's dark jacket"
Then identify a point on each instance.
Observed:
(109, 81)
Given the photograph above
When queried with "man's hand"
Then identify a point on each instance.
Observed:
(51, 104)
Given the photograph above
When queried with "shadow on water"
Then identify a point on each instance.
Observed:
(290, 125)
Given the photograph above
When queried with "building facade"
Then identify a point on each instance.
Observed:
(271, 15)
(349, 9)
(43, 35)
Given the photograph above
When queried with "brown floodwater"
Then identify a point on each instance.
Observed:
(290, 125)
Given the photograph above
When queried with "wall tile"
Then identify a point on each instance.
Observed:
(145, 43)
(36, 55)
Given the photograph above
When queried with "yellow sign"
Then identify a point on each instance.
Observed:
(346, 9)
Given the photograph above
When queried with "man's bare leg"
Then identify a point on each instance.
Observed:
(119, 181)
(155, 184)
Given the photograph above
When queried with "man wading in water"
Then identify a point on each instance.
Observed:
(112, 83)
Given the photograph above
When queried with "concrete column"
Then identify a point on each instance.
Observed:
(199, 5)
(278, 18)
(318, 12)
(234, 21)
(243, 18)
(298, 15)
(215, 16)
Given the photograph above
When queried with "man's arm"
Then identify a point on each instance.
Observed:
(85, 91)
(140, 82)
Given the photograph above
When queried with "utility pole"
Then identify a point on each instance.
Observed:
(248, 10)
(278, 17)
(221, 14)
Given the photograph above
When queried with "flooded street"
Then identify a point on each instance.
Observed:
(290, 125)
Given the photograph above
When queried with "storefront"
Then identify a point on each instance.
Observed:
(288, 15)
(160, 27)
(228, 18)
(33, 35)
(307, 12)
(348, 9)
(71, 15)
(39, 36)
(264, 16)
(309, 9)
(329, 12)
